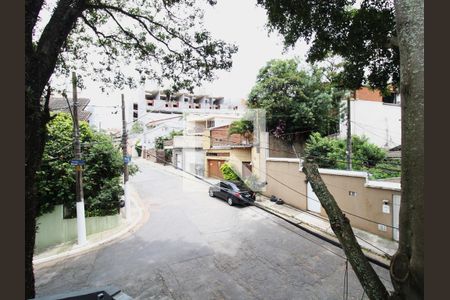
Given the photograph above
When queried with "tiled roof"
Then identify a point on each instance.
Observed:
(60, 104)
(57, 104)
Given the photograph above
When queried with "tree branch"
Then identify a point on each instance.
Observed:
(140, 19)
(52, 39)
(145, 27)
(32, 9)
(341, 227)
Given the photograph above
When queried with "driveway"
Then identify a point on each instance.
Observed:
(196, 247)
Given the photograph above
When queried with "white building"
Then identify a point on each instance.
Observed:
(376, 117)
(188, 153)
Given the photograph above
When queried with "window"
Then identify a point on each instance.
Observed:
(218, 154)
(210, 123)
(135, 115)
(352, 193)
(393, 98)
(135, 106)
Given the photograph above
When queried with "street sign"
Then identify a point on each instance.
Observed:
(127, 159)
(77, 162)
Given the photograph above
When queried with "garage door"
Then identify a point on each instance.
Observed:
(214, 168)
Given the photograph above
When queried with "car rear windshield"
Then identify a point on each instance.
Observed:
(241, 186)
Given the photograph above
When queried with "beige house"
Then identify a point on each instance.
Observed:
(372, 206)
(221, 148)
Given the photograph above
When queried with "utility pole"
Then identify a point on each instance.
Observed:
(349, 136)
(125, 161)
(81, 222)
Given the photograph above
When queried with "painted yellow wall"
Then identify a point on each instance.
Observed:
(367, 203)
(287, 173)
(235, 158)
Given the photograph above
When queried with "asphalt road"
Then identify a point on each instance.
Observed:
(196, 247)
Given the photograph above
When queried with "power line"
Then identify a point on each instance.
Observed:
(357, 216)
(211, 184)
(319, 157)
(298, 192)
(385, 253)
(378, 135)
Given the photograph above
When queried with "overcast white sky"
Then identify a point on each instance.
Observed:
(237, 21)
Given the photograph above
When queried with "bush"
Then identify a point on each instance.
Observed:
(101, 173)
(228, 172)
(331, 153)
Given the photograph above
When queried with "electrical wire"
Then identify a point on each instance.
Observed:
(285, 227)
(345, 294)
(300, 193)
(363, 125)
(349, 213)
(228, 190)
(378, 135)
(385, 253)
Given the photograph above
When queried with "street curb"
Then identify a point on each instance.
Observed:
(371, 255)
(92, 246)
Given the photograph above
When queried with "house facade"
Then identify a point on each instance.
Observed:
(376, 117)
(143, 102)
(370, 205)
(188, 152)
(220, 148)
(57, 104)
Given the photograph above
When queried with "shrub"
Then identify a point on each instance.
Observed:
(228, 172)
(331, 153)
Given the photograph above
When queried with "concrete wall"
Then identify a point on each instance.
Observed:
(194, 161)
(378, 121)
(157, 156)
(286, 172)
(279, 148)
(259, 155)
(54, 230)
(352, 191)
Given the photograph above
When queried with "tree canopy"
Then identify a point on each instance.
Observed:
(331, 153)
(118, 43)
(364, 37)
(295, 100)
(242, 127)
(382, 44)
(163, 41)
(101, 172)
(138, 127)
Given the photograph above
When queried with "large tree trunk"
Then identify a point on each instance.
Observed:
(407, 268)
(40, 61)
(341, 227)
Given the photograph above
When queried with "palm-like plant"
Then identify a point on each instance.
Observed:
(242, 127)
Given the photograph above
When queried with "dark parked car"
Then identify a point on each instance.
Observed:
(233, 192)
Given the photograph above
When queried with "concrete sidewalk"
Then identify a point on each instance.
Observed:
(373, 245)
(137, 216)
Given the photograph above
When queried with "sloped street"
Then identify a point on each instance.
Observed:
(196, 247)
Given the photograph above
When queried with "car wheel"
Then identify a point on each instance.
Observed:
(211, 193)
(230, 201)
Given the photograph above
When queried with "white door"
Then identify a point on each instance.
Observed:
(313, 201)
(396, 215)
(178, 161)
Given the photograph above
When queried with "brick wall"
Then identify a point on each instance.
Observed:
(219, 137)
(367, 94)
